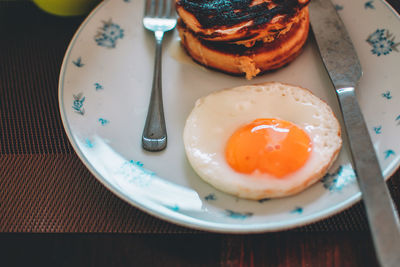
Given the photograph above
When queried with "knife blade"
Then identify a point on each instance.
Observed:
(341, 62)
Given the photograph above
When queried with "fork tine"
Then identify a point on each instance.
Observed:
(167, 8)
(160, 6)
(146, 7)
(172, 11)
(149, 8)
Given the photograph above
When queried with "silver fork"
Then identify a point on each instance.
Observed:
(159, 17)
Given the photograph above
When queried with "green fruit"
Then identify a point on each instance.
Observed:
(66, 7)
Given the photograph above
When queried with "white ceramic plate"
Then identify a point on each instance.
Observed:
(104, 92)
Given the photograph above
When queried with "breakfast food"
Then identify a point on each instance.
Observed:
(243, 37)
(262, 141)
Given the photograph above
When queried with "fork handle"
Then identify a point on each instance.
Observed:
(154, 136)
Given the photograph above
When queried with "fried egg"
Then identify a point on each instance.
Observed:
(262, 141)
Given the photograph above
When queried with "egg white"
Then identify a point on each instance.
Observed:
(217, 116)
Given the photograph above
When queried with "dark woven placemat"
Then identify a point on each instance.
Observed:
(43, 185)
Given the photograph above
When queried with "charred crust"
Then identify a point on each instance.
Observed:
(213, 14)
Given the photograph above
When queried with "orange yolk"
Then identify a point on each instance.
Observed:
(271, 146)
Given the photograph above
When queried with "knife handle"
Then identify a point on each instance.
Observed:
(382, 216)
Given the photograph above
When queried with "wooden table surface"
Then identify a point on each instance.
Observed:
(289, 248)
(277, 249)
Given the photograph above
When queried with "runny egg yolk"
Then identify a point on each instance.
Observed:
(270, 146)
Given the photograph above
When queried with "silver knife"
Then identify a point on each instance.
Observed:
(344, 69)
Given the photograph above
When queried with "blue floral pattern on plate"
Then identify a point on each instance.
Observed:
(338, 7)
(387, 95)
(382, 42)
(210, 197)
(103, 121)
(298, 210)
(238, 215)
(78, 104)
(336, 181)
(378, 129)
(174, 208)
(389, 153)
(369, 4)
(78, 62)
(98, 86)
(108, 35)
(136, 174)
(89, 143)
